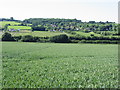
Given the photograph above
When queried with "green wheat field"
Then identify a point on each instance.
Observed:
(53, 65)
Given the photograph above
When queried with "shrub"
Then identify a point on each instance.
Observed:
(63, 38)
(7, 37)
(38, 28)
(44, 40)
(91, 34)
(27, 38)
(36, 39)
(75, 41)
(17, 38)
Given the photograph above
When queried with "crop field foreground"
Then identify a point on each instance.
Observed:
(53, 65)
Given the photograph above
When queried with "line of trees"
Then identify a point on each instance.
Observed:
(38, 28)
(9, 19)
(63, 38)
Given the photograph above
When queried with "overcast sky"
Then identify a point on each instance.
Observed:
(85, 10)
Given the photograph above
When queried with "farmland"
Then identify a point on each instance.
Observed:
(42, 29)
(52, 65)
(3, 23)
(20, 27)
(59, 65)
(87, 34)
(37, 33)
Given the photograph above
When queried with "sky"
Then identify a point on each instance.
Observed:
(85, 10)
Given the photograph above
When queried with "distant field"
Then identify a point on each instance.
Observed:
(3, 23)
(20, 27)
(50, 65)
(87, 34)
(37, 33)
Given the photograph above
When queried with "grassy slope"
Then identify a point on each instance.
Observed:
(3, 23)
(19, 27)
(87, 34)
(12, 23)
(37, 65)
(37, 33)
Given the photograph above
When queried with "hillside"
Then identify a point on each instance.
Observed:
(75, 29)
(3, 23)
(37, 33)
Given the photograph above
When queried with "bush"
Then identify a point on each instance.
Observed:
(7, 37)
(38, 28)
(75, 41)
(29, 38)
(44, 40)
(91, 34)
(63, 38)
(17, 38)
(36, 39)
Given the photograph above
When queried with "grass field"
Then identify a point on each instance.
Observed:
(3, 23)
(37, 33)
(19, 27)
(87, 34)
(41, 65)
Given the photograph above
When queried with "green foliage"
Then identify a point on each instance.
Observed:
(17, 38)
(63, 38)
(53, 65)
(11, 18)
(6, 27)
(118, 29)
(46, 36)
(72, 27)
(92, 35)
(29, 38)
(38, 28)
(36, 39)
(7, 37)
(7, 19)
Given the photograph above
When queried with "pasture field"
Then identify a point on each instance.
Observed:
(37, 33)
(19, 27)
(53, 65)
(3, 23)
(87, 34)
